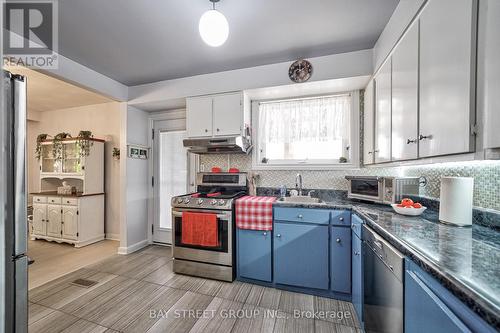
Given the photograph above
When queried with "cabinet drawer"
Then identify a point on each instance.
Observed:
(54, 200)
(40, 199)
(318, 216)
(70, 201)
(341, 217)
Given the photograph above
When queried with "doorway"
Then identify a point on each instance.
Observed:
(171, 172)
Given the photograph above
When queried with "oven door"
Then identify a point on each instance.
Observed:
(220, 254)
(366, 188)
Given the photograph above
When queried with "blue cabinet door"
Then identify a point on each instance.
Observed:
(357, 275)
(425, 312)
(254, 254)
(340, 260)
(301, 255)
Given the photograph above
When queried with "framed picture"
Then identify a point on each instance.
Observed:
(136, 151)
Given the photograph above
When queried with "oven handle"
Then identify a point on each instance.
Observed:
(219, 216)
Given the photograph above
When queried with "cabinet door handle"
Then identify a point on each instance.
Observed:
(341, 219)
(408, 141)
(370, 152)
(338, 240)
(278, 235)
(422, 137)
(300, 216)
(356, 253)
(264, 233)
(206, 130)
(376, 151)
(218, 130)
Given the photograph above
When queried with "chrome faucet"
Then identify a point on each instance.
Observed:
(298, 183)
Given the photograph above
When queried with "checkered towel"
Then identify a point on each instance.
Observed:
(254, 213)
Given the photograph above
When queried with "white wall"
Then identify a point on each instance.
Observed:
(104, 122)
(137, 184)
(335, 66)
(400, 19)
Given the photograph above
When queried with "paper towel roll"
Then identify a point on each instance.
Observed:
(456, 197)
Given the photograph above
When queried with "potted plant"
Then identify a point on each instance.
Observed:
(57, 147)
(38, 149)
(84, 141)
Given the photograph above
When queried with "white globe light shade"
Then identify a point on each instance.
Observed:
(214, 28)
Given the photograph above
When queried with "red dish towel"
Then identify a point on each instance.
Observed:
(255, 213)
(200, 229)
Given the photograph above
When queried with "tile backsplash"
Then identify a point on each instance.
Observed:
(486, 176)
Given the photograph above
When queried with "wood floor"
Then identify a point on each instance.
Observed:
(56, 259)
(140, 293)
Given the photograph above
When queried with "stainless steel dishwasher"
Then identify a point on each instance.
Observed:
(383, 269)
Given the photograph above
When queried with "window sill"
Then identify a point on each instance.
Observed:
(312, 167)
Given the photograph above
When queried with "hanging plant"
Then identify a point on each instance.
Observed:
(57, 146)
(38, 149)
(116, 153)
(84, 141)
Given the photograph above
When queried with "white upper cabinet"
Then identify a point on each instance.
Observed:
(215, 115)
(199, 116)
(383, 114)
(368, 124)
(227, 114)
(488, 79)
(405, 97)
(446, 83)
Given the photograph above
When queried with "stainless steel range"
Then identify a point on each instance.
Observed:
(216, 194)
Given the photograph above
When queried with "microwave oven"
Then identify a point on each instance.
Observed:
(386, 190)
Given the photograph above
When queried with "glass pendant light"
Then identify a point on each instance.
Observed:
(213, 27)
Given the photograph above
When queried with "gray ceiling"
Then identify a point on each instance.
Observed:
(142, 41)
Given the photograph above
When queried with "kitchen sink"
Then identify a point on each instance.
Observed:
(301, 199)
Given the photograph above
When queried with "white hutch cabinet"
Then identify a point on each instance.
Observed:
(77, 218)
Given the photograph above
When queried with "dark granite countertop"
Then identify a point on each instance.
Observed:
(73, 195)
(465, 260)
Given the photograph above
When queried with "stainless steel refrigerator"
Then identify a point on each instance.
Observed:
(13, 233)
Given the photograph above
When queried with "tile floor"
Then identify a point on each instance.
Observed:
(140, 293)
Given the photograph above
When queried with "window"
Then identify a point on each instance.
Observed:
(313, 131)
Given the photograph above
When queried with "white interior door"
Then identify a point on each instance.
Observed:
(171, 174)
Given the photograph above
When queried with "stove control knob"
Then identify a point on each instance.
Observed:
(213, 202)
(200, 201)
(221, 202)
(179, 200)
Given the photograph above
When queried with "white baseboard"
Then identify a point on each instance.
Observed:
(134, 247)
(115, 237)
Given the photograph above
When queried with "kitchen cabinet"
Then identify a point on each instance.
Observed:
(217, 115)
(199, 116)
(383, 108)
(254, 254)
(488, 75)
(39, 217)
(340, 259)
(301, 255)
(54, 219)
(74, 220)
(447, 48)
(429, 305)
(405, 97)
(357, 267)
(369, 124)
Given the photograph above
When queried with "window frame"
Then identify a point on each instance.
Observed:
(304, 164)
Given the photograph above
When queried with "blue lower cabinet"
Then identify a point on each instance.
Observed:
(254, 254)
(300, 255)
(429, 307)
(357, 275)
(340, 259)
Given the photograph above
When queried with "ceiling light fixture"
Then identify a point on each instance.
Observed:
(213, 27)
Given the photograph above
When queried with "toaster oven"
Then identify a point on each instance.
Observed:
(386, 190)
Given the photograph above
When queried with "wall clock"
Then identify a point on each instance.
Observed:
(300, 71)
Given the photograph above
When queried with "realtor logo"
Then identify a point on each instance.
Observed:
(30, 33)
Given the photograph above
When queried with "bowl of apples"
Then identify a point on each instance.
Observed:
(408, 207)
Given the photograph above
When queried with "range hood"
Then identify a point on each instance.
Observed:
(229, 145)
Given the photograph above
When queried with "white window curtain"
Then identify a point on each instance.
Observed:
(305, 129)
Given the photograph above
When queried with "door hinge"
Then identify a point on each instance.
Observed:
(152, 134)
(152, 181)
(152, 228)
(474, 129)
